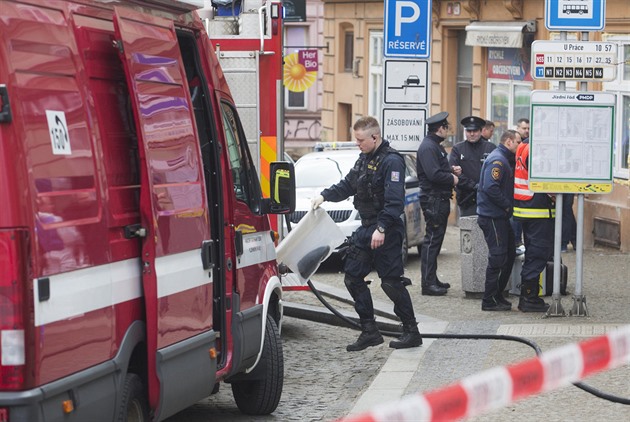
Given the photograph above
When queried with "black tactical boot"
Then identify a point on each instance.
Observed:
(370, 336)
(501, 299)
(432, 290)
(409, 338)
(529, 300)
(442, 285)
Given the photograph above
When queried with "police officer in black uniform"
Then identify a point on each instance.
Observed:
(495, 204)
(377, 182)
(470, 155)
(437, 179)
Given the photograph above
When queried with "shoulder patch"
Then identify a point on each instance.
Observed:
(496, 173)
(395, 176)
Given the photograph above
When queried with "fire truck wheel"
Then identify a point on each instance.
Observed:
(134, 407)
(260, 396)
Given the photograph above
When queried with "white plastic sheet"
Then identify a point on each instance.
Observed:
(310, 242)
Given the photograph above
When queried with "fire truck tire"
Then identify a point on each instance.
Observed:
(260, 396)
(134, 406)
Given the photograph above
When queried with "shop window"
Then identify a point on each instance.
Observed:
(375, 74)
(621, 87)
(509, 87)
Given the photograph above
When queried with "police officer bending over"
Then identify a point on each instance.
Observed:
(436, 187)
(377, 182)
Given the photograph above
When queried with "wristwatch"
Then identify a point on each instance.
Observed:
(380, 229)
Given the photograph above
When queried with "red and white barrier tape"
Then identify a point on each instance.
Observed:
(500, 386)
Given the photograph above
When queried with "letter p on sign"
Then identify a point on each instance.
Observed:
(400, 19)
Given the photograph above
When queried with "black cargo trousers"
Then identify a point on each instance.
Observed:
(436, 209)
(387, 261)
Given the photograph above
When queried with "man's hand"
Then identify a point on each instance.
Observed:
(378, 239)
(317, 201)
(456, 170)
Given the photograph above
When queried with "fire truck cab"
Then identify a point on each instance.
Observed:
(137, 262)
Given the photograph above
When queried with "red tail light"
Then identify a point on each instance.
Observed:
(12, 297)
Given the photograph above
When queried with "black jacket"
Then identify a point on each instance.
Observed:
(470, 157)
(377, 182)
(495, 195)
(434, 172)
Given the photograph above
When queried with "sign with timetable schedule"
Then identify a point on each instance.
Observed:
(574, 60)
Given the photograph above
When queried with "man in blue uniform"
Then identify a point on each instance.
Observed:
(377, 182)
(470, 155)
(437, 179)
(495, 203)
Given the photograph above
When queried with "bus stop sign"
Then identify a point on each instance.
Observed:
(575, 15)
(407, 28)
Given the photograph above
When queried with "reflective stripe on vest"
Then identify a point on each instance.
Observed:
(534, 212)
(521, 175)
(521, 190)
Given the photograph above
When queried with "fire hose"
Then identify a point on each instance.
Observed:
(530, 343)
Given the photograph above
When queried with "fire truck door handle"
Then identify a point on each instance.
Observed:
(5, 107)
(207, 254)
(238, 242)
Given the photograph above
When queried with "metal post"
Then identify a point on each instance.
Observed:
(556, 308)
(579, 300)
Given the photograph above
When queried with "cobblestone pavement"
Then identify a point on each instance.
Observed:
(323, 381)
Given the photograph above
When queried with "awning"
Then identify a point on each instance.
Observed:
(498, 34)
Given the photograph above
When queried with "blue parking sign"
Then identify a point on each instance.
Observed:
(407, 28)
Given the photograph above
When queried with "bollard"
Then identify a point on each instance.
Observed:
(474, 256)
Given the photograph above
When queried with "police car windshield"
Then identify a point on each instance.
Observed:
(321, 172)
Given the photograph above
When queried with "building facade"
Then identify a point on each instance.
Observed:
(480, 64)
(302, 110)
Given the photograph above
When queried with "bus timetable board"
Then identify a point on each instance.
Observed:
(571, 141)
(574, 60)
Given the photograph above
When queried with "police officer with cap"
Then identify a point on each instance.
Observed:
(377, 182)
(470, 155)
(437, 180)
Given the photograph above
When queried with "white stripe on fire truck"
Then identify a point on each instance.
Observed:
(90, 289)
(257, 248)
(77, 292)
(179, 272)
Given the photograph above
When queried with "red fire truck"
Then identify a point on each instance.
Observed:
(137, 262)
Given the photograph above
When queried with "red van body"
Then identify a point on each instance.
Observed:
(137, 264)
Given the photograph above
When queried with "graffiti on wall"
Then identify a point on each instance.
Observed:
(302, 129)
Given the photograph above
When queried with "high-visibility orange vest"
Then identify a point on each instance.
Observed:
(526, 203)
(521, 174)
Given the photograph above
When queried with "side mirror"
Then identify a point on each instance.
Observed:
(282, 199)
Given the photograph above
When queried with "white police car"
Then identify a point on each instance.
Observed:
(318, 170)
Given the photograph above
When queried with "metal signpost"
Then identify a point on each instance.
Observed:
(571, 141)
(407, 78)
